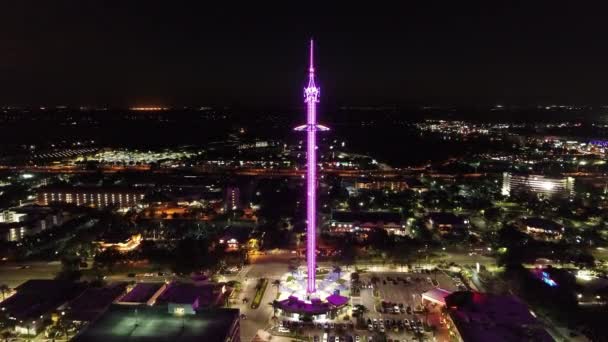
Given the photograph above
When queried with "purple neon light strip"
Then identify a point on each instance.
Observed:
(311, 94)
(311, 203)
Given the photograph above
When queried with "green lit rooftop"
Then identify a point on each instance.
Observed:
(155, 323)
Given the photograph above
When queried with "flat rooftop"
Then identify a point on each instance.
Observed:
(155, 323)
(488, 317)
(93, 301)
(141, 293)
(187, 293)
(39, 297)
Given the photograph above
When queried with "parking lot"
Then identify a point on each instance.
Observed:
(394, 308)
(394, 304)
(329, 332)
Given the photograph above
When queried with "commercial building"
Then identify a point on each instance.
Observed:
(447, 223)
(157, 323)
(481, 317)
(541, 228)
(537, 184)
(188, 297)
(35, 301)
(93, 302)
(396, 184)
(98, 197)
(342, 222)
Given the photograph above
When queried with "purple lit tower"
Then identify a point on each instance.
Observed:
(311, 97)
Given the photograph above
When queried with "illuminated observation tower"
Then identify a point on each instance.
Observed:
(311, 98)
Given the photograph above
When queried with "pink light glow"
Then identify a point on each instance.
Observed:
(311, 97)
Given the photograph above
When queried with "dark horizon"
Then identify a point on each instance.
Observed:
(153, 53)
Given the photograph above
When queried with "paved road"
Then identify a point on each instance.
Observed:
(260, 318)
(13, 275)
(466, 259)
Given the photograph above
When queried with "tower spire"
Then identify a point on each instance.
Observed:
(312, 64)
(311, 68)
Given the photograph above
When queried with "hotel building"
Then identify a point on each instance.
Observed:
(98, 197)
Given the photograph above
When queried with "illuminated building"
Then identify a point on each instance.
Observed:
(15, 225)
(381, 184)
(388, 184)
(124, 244)
(447, 223)
(11, 216)
(542, 229)
(537, 184)
(14, 231)
(232, 198)
(157, 323)
(235, 237)
(311, 96)
(343, 222)
(98, 197)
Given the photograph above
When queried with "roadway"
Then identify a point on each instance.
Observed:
(243, 171)
(14, 274)
(260, 318)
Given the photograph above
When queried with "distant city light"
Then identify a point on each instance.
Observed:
(148, 108)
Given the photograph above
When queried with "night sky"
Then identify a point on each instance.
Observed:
(254, 53)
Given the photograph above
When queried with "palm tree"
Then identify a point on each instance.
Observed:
(292, 269)
(4, 289)
(338, 269)
(360, 309)
(277, 283)
(275, 307)
(66, 326)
